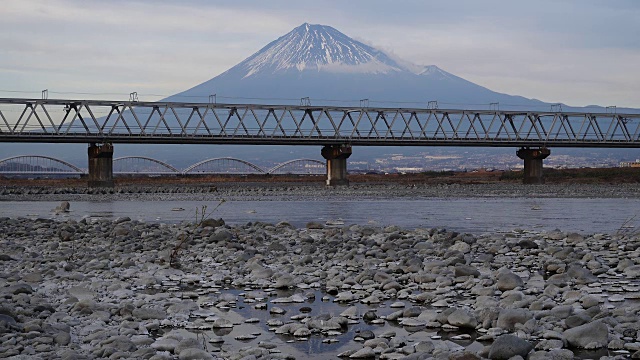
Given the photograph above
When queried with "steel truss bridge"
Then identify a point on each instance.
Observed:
(84, 121)
(141, 165)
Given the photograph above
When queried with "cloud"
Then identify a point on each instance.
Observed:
(574, 51)
(162, 45)
(148, 16)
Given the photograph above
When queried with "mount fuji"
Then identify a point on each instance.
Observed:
(330, 68)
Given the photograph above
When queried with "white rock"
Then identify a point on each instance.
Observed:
(412, 322)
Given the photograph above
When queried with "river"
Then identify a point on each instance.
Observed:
(474, 215)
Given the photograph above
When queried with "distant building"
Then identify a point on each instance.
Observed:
(632, 164)
(409, 169)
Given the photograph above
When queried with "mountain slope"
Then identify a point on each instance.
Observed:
(320, 62)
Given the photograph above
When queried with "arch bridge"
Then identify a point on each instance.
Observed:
(224, 165)
(131, 165)
(299, 166)
(37, 165)
(104, 123)
(142, 165)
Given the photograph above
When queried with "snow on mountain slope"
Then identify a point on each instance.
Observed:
(317, 48)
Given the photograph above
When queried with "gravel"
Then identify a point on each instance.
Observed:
(98, 288)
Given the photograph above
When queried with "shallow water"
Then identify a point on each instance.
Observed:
(313, 346)
(463, 215)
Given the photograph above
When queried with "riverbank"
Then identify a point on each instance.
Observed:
(259, 191)
(593, 176)
(106, 289)
(567, 183)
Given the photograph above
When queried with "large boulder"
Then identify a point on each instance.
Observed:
(508, 281)
(149, 313)
(632, 271)
(527, 244)
(364, 353)
(465, 270)
(593, 335)
(577, 319)
(508, 346)
(574, 238)
(312, 225)
(462, 318)
(8, 324)
(165, 344)
(220, 235)
(581, 275)
(195, 354)
(460, 246)
(508, 318)
(284, 281)
(214, 223)
(62, 208)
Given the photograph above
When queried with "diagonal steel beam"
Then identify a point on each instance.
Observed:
(407, 127)
(26, 121)
(279, 124)
(202, 121)
(5, 122)
(95, 121)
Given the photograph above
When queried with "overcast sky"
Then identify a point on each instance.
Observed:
(578, 52)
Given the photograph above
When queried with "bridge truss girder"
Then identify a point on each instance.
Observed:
(79, 121)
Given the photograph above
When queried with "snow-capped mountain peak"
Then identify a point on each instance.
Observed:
(317, 48)
(321, 63)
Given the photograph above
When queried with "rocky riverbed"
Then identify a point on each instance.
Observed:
(124, 289)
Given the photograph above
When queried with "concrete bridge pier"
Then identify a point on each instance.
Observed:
(533, 164)
(100, 165)
(336, 156)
